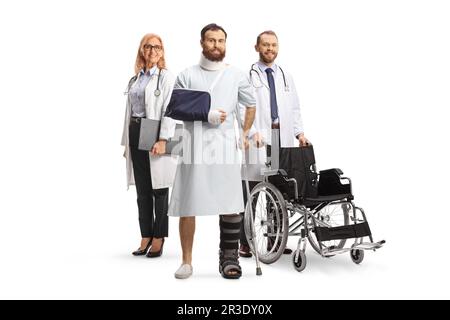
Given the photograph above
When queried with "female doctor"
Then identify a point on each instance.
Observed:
(149, 93)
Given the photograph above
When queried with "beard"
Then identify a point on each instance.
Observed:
(210, 55)
(268, 60)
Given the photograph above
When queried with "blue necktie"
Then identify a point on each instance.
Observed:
(273, 95)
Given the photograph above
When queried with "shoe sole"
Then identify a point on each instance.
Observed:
(183, 276)
(230, 277)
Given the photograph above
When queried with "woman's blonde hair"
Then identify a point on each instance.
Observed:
(140, 61)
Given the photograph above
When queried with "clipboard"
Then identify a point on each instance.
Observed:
(149, 134)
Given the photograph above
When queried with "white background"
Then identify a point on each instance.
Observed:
(373, 79)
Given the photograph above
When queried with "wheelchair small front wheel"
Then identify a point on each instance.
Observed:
(357, 255)
(299, 260)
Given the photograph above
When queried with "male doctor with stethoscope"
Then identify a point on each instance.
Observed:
(278, 107)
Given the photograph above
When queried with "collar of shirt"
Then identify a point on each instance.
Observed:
(263, 68)
(150, 72)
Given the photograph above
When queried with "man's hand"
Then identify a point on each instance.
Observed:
(159, 148)
(303, 142)
(223, 116)
(217, 117)
(257, 140)
(246, 143)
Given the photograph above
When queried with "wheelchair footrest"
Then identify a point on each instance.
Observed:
(359, 230)
(328, 252)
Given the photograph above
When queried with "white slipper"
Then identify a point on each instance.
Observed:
(184, 271)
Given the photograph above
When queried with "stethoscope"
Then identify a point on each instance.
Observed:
(286, 87)
(157, 92)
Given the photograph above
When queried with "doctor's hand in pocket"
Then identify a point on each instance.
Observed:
(159, 148)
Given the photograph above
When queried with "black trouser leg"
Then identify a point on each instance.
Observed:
(252, 185)
(161, 228)
(143, 180)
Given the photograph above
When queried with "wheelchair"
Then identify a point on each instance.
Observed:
(296, 200)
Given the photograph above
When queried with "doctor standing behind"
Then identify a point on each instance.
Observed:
(278, 108)
(149, 93)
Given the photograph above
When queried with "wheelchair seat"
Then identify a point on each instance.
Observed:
(329, 198)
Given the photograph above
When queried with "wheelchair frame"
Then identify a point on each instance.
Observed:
(317, 230)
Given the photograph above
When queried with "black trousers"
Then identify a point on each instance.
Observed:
(252, 185)
(153, 204)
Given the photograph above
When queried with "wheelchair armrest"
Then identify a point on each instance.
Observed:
(330, 183)
(331, 171)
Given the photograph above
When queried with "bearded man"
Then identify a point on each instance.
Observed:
(278, 109)
(210, 183)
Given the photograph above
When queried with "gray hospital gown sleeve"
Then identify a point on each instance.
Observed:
(180, 83)
(245, 95)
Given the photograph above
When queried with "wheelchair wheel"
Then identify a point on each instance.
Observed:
(270, 222)
(357, 255)
(299, 261)
(333, 215)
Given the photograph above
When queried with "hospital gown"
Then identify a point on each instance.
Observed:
(208, 178)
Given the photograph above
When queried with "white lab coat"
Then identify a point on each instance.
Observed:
(163, 168)
(288, 114)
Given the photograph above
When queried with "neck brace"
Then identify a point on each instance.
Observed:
(211, 65)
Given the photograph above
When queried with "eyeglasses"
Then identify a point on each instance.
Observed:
(149, 47)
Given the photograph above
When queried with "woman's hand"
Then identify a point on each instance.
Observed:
(159, 148)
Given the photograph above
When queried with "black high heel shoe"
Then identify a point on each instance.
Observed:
(157, 253)
(142, 252)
